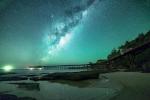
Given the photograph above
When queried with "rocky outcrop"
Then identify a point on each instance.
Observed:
(146, 67)
(14, 97)
(74, 76)
(12, 78)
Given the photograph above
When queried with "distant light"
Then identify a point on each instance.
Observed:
(31, 69)
(7, 68)
(40, 68)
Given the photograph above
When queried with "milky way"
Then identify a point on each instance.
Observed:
(61, 30)
(40, 32)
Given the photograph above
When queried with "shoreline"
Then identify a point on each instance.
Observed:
(111, 86)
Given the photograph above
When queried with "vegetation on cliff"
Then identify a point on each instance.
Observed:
(141, 60)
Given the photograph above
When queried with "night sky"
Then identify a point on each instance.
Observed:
(40, 32)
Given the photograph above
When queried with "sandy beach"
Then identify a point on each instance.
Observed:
(135, 85)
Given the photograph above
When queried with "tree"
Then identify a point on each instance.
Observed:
(113, 53)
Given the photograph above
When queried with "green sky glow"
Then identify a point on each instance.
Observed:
(25, 26)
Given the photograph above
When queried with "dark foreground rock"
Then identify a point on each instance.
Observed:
(146, 67)
(74, 76)
(26, 98)
(6, 73)
(12, 78)
(14, 97)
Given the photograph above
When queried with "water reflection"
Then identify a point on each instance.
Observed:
(79, 84)
(28, 86)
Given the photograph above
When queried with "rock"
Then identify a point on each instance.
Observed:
(74, 76)
(7, 73)
(26, 98)
(12, 78)
(8, 97)
(146, 67)
(14, 97)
